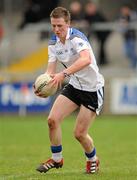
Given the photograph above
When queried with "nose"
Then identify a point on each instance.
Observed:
(56, 28)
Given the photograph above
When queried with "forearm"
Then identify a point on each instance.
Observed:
(77, 66)
(83, 61)
(51, 68)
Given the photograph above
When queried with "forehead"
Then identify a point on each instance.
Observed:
(58, 21)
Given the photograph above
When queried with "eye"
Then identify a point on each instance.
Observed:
(59, 26)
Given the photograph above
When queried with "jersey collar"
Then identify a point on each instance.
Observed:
(68, 34)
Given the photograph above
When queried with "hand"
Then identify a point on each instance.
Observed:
(37, 93)
(57, 79)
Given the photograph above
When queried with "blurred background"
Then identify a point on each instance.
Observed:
(24, 32)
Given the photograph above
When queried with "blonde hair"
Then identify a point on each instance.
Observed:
(61, 12)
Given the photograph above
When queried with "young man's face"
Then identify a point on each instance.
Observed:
(59, 27)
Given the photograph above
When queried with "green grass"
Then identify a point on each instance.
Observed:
(24, 144)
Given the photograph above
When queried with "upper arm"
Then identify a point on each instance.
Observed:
(83, 48)
(80, 44)
(51, 68)
(84, 54)
(51, 53)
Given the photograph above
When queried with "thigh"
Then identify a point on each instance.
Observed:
(84, 119)
(62, 107)
(71, 93)
(93, 100)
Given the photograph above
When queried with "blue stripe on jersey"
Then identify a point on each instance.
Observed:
(76, 33)
(53, 40)
(56, 149)
(73, 33)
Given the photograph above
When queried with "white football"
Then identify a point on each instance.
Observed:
(44, 86)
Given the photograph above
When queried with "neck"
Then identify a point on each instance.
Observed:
(63, 40)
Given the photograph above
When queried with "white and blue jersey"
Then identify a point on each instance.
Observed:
(87, 79)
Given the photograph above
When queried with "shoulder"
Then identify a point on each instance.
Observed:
(76, 33)
(52, 40)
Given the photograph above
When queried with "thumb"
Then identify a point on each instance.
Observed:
(52, 75)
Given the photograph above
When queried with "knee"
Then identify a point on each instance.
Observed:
(79, 135)
(52, 123)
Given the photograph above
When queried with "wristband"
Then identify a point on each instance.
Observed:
(65, 74)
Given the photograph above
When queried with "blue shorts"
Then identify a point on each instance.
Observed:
(91, 100)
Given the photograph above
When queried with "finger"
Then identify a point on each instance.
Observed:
(34, 86)
(60, 85)
(53, 82)
(39, 95)
(36, 92)
(52, 75)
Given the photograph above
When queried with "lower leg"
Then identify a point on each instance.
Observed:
(102, 54)
(84, 120)
(55, 140)
(88, 146)
(92, 163)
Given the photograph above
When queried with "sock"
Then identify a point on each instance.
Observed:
(91, 156)
(56, 153)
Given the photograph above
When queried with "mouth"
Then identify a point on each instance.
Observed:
(57, 34)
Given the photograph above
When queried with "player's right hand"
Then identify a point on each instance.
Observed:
(36, 92)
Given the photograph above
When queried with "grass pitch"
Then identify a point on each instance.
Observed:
(24, 144)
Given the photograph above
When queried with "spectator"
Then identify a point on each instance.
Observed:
(93, 15)
(1, 34)
(37, 10)
(77, 18)
(76, 11)
(128, 16)
(1, 30)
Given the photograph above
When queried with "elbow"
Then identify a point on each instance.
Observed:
(88, 61)
(85, 63)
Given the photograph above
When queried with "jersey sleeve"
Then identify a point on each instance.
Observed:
(51, 54)
(80, 44)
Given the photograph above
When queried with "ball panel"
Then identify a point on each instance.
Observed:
(49, 89)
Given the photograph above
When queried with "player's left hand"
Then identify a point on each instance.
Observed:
(58, 79)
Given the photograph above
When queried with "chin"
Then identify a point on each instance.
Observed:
(58, 35)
